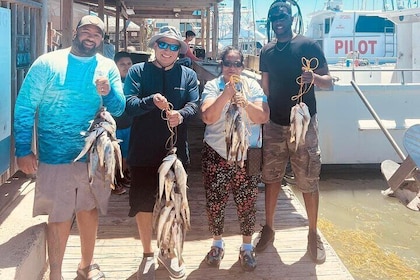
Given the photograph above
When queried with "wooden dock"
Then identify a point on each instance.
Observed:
(118, 248)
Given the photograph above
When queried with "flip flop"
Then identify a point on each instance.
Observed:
(83, 273)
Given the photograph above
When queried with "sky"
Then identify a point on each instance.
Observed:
(307, 6)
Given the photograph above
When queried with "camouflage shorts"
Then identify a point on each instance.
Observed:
(305, 161)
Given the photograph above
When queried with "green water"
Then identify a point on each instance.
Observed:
(351, 200)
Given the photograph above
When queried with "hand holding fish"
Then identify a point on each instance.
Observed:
(160, 101)
(28, 164)
(102, 86)
(240, 100)
(229, 90)
(174, 118)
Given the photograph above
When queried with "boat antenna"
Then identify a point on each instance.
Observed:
(298, 18)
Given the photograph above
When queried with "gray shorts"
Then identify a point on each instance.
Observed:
(305, 161)
(63, 190)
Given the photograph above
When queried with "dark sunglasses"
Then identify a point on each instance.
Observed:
(163, 46)
(236, 64)
(280, 17)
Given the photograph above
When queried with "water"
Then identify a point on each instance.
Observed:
(367, 229)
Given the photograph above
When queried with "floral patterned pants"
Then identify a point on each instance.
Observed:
(220, 179)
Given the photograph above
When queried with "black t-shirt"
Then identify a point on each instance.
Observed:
(283, 67)
(149, 131)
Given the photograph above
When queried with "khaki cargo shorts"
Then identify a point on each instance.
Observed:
(305, 161)
(61, 190)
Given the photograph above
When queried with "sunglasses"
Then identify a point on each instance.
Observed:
(163, 46)
(236, 64)
(280, 17)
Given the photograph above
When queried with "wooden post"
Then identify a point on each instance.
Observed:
(67, 22)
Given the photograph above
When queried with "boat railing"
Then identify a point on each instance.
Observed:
(384, 75)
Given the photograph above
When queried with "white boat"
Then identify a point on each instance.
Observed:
(349, 134)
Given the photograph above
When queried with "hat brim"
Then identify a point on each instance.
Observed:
(182, 50)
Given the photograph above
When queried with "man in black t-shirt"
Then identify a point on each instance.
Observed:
(281, 65)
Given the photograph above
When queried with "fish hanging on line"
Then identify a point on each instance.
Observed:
(171, 213)
(102, 147)
(236, 132)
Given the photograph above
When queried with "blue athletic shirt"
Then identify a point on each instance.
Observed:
(59, 92)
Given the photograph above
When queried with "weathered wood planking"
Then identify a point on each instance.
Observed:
(118, 248)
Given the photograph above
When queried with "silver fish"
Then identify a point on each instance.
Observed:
(299, 121)
(164, 214)
(102, 147)
(169, 184)
(89, 141)
(164, 167)
(179, 238)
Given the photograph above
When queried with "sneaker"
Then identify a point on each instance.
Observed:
(172, 266)
(264, 238)
(316, 248)
(119, 189)
(247, 260)
(146, 269)
(125, 182)
(215, 256)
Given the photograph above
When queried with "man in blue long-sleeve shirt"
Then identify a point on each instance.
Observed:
(62, 92)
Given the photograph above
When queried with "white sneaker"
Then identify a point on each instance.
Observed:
(171, 264)
(146, 269)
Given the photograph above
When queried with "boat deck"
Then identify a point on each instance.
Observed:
(118, 248)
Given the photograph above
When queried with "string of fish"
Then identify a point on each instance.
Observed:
(236, 131)
(171, 213)
(299, 114)
(102, 147)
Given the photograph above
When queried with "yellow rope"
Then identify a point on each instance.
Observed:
(170, 142)
(304, 88)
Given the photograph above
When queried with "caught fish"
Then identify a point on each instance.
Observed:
(164, 167)
(299, 122)
(102, 147)
(236, 132)
(171, 214)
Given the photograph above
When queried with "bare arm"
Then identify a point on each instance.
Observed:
(212, 108)
(321, 77)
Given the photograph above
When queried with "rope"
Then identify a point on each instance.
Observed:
(170, 142)
(304, 88)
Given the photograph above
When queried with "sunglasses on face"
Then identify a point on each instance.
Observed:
(280, 17)
(235, 64)
(173, 47)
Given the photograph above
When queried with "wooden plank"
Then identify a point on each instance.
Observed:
(118, 248)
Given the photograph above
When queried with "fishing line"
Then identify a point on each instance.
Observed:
(304, 88)
(170, 142)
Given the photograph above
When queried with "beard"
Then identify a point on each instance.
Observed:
(84, 50)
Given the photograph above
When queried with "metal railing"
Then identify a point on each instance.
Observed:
(401, 72)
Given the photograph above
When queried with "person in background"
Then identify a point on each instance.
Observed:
(62, 92)
(281, 65)
(109, 49)
(161, 94)
(220, 178)
(186, 58)
(189, 36)
(124, 62)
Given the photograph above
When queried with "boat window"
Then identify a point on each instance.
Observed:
(374, 24)
(327, 25)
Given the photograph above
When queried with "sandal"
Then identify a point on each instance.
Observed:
(83, 273)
